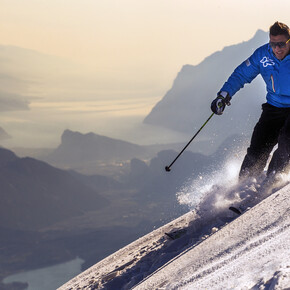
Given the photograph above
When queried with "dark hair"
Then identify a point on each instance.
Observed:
(279, 28)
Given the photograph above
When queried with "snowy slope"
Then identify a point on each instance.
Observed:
(251, 251)
(221, 252)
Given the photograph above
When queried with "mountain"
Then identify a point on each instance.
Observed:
(84, 150)
(216, 250)
(39, 195)
(187, 104)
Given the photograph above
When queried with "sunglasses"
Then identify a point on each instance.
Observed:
(280, 44)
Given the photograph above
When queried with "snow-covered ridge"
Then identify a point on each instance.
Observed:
(253, 251)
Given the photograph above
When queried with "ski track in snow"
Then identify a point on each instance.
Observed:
(233, 271)
(217, 251)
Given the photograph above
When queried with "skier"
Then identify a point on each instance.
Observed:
(272, 61)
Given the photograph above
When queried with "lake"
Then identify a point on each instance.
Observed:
(49, 278)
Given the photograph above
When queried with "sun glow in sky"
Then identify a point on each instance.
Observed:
(129, 49)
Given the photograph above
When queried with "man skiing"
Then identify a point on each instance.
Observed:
(272, 61)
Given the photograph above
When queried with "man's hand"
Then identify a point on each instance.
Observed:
(218, 105)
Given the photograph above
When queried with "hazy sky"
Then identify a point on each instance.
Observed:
(133, 49)
(147, 37)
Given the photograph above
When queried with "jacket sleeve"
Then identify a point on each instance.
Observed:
(243, 74)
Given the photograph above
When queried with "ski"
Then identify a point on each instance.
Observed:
(176, 234)
(235, 210)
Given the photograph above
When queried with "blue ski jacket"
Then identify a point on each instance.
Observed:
(275, 72)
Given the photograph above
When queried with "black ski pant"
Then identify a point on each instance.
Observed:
(272, 128)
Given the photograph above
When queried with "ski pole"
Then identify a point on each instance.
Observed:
(167, 168)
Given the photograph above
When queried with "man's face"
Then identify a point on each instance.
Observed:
(280, 52)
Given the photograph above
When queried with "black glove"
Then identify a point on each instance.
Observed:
(218, 105)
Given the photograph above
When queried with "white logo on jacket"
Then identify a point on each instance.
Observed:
(267, 61)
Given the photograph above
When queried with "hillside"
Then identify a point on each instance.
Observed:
(39, 194)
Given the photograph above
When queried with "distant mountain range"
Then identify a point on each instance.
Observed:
(92, 153)
(187, 104)
(78, 150)
(39, 194)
